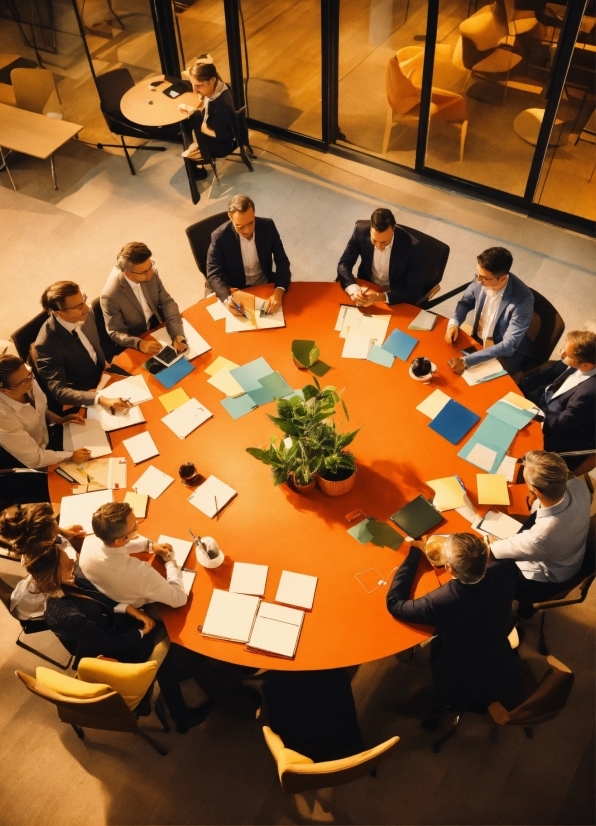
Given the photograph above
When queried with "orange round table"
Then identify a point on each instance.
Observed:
(396, 452)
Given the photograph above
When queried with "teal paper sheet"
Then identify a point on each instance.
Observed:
(276, 384)
(380, 356)
(494, 434)
(378, 533)
(511, 415)
(239, 406)
(248, 375)
(400, 345)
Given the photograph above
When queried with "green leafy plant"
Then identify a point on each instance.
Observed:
(306, 353)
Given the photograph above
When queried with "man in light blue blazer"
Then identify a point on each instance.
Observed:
(503, 309)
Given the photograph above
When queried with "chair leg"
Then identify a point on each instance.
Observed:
(451, 733)
(42, 656)
(5, 166)
(215, 172)
(78, 731)
(132, 169)
(153, 743)
(542, 646)
(160, 712)
(244, 156)
(462, 139)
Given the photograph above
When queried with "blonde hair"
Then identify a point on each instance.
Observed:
(546, 472)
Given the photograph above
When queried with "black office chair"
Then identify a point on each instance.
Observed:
(242, 145)
(434, 255)
(110, 348)
(545, 330)
(199, 238)
(24, 337)
(111, 87)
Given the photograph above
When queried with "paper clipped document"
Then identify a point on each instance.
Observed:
(248, 578)
(188, 578)
(196, 343)
(296, 589)
(500, 525)
(276, 630)
(153, 482)
(433, 404)
(78, 510)
(211, 496)
(187, 418)
(116, 421)
(492, 489)
(133, 388)
(138, 502)
(181, 547)
(230, 616)
(485, 371)
(141, 447)
(449, 494)
(90, 435)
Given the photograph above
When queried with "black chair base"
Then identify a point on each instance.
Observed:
(31, 650)
(126, 147)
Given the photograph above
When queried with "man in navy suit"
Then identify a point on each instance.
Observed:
(566, 394)
(242, 253)
(389, 258)
(471, 658)
(503, 310)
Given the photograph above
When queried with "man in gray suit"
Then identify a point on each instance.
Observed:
(134, 300)
(67, 350)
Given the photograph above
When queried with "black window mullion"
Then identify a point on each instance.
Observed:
(427, 82)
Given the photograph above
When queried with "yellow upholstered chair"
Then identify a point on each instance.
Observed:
(35, 90)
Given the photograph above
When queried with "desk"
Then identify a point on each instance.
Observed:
(396, 452)
(33, 134)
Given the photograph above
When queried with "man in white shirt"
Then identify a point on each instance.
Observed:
(566, 393)
(549, 550)
(134, 300)
(107, 563)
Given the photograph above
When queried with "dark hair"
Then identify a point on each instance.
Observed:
(241, 203)
(468, 557)
(109, 521)
(135, 252)
(584, 344)
(45, 570)
(382, 219)
(30, 528)
(54, 295)
(8, 365)
(203, 71)
(497, 260)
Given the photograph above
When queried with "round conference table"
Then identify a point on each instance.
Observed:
(396, 451)
(150, 107)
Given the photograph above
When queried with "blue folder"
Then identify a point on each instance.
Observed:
(175, 373)
(514, 416)
(400, 345)
(454, 421)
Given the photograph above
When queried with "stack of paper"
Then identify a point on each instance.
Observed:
(485, 371)
(78, 510)
(180, 547)
(90, 435)
(186, 418)
(499, 524)
(492, 489)
(449, 494)
(296, 589)
(211, 496)
(174, 399)
(153, 482)
(423, 321)
(230, 616)
(219, 371)
(276, 630)
(138, 502)
(248, 578)
(133, 388)
(433, 404)
(121, 419)
(494, 435)
(141, 447)
(454, 421)
(196, 343)
(348, 319)
(400, 345)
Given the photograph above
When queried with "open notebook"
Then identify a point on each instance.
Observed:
(276, 630)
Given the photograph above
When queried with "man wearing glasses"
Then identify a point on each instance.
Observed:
(134, 300)
(503, 308)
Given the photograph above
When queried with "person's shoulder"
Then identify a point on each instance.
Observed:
(404, 236)
(264, 223)
(519, 289)
(221, 230)
(47, 331)
(362, 228)
(578, 490)
(113, 281)
(501, 570)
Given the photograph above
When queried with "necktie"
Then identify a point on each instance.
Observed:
(529, 523)
(552, 388)
(75, 335)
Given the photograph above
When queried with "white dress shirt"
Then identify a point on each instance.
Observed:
(24, 432)
(553, 549)
(250, 260)
(25, 602)
(140, 296)
(488, 316)
(68, 325)
(379, 272)
(572, 380)
(128, 580)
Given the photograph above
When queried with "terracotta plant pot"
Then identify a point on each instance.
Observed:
(337, 488)
(302, 489)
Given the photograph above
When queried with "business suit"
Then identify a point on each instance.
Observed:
(65, 365)
(514, 316)
(406, 283)
(123, 314)
(225, 268)
(472, 661)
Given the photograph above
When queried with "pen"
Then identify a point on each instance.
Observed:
(197, 541)
(460, 483)
(216, 508)
(238, 307)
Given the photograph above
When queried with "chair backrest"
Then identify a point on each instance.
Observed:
(402, 95)
(546, 329)
(5, 593)
(110, 348)
(298, 773)
(199, 237)
(24, 337)
(34, 89)
(111, 87)
(545, 702)
(434, 254)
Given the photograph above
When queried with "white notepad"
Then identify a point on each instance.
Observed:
(188, 578)
(153, 482)
(296, 589)
(230, 616)
(141, 447)
(133, 388)
(211, 496)
(196, 343)
(78, 510)
(123, 418)
(181, 547)
(248, 578)
(186, 418)
(276, 630)
(90, 435)
(500, 525)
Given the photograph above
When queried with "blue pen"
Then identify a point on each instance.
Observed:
(460, 483)
(238, 307)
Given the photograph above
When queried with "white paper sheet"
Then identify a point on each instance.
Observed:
(133, 388)
(296, 589)
(141, 447)
(507, 468)
(78, 510)
(481, 371)
(230, 616)
(234, 324)
(341, 316)
(217, 311)
(248, 578)
(276, 629)
(268, 321)
(356, 346)
(188, 578)
(211, 496)
(90, 435)
(351, 321)
(153, 482)
(181, 547)
(374, 327)
(433, 404)
(123, 418)
(196, 343)
(186, 418)
(482, 456)
(500, 525)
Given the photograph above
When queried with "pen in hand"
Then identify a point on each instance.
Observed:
(238, 307)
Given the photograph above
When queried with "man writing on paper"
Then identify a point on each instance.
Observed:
(566, 394)
(471, 658)
(135, 300)
(106, 562)
(549, 549)
(67, 349)
(503, 308)
(389, 258)
(242, 253)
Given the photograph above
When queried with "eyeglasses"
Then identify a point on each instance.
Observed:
(76, 306)
(22, 383)
(482, 279)
(144, 272)
(126, 535)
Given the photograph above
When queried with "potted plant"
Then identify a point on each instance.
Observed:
(288, 463)
(304, 353)
(337, 473)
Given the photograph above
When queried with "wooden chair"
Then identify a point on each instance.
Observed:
(199, 238)
(35, 90)
(435, 255)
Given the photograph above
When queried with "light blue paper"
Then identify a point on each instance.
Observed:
(239, 406)
(248, 375)
(495, 432)
(514, 416)
(174, 373)
(469, 445)
(380, 356)
(261, 396)
(400, 345)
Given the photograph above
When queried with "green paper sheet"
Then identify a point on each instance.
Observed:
(276, 385)
(319, 368)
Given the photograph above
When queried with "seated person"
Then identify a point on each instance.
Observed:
(566, 394)
(549, 549)
(472, 661)
(213, 121)
(389, 258)
(242, 253)
(106, 562)
(134, 300)
(68, 353)
(503, 310)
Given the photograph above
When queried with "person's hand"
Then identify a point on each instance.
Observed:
(72, 531)
(451, 334)
(274, 301)
(239, 313)
(75, 418)
(81, 455)
(187, 109)
(141, 616)
(372, 297)
(180, 344)
(419, 543)
(457, 365)
(358, 298)
(163, 549)
(150, 346)
(115, 404)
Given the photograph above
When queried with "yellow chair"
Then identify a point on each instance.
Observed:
(35, 90)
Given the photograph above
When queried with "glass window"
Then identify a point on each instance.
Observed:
(381, 50)
(201, 29)
(284, 63)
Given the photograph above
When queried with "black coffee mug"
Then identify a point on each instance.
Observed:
(188, 473)
(421, 367)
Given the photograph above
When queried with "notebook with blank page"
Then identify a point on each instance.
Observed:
(296, 589)
(276, 630)
(248, 578)
(230, 616)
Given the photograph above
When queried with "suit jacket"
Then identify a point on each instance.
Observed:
(569, 419)
(65, 365)
(514, 316)
(224, 259)
(220, 118)
(405, 264)
(472, 661)
(125, 320)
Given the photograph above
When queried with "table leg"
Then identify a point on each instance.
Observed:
(5, 165)
(53, 168)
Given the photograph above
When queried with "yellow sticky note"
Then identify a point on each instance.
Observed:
(449, 494)
(492, 489)
(518, 401)
(433, 404)
(138, 503)
(220, 363)
(173, 399)
(225, 382)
